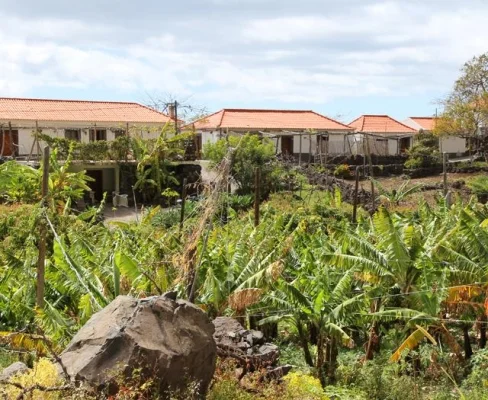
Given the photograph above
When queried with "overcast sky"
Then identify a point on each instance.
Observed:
(347, 57)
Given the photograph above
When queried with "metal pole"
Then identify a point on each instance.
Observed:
(183, 200)
(356, 189)
(41, 261)
(257, 183)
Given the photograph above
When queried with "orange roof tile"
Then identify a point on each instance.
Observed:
(77, 111)
(426, 123)
(247, 119)
(379, 124)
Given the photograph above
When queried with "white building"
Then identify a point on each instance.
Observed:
(453, 145)
(83, 121)
(380, 135)
(300, 133)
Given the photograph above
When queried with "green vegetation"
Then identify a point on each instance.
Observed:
(390, 307)
(424, 152)
(250, 152)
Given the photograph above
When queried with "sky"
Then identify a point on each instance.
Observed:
(340, 58)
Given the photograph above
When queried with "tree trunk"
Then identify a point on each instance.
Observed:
(321, 359)
(331, 357)
(313, 333)
(304, 342)
(373, 342)
(468, 351)
(482, 343)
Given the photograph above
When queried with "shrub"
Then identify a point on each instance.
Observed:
(302, 386)
(44, 373)
(479, 186)
(425, 152)
(342, 171)
(251, 152)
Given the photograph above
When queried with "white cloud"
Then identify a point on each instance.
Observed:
(372, 49)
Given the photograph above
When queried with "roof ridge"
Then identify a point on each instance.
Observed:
(264, 110)
(70, 100)
(205, 117)
(401, 123)
(331, 119)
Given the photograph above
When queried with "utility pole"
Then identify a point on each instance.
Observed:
(176, 117)
(41, 261)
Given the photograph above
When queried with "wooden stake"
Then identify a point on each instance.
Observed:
(42, 231)
(356, 189)
(444, 172)
(257, 183)
(183, 200)
(2, 138)
(300, 150)
(309, 148)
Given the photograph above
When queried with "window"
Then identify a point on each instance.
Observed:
(118, 133)
(98, 134)
(72, 134)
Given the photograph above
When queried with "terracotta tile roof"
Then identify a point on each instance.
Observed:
(248, 119)
(379, 124)
(77, 111)
(425, 123)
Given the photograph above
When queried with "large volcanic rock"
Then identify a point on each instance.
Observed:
(169, 342)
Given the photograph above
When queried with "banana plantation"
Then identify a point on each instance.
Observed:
(390, 306)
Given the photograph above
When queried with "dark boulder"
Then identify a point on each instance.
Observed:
(159, 339)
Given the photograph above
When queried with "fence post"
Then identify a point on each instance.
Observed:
(41, 261)
(257, 183)
(447, 194)
(356, 189)
(183, 200)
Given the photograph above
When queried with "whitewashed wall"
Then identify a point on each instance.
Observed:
(56, 129)
(452, 144)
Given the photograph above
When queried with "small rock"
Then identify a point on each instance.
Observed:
(170, 295)
(276, 373)
(12, 370)
(257, 337)
(243, 345)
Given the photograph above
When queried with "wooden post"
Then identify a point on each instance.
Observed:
(257, 184)
(127, 129)
(444, 172)
(356, 189)
(309, 148)
(36, 140)
(2, 139)
(183, 200)
(176, 117)
(277, 142)
(42, 231)
(300, 150)
(371, 175)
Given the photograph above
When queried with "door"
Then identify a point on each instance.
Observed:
(404, 145)
(9, 143)
(323, 144)
(96, 185)
(287, 145)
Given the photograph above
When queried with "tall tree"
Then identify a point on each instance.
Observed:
(466, 107)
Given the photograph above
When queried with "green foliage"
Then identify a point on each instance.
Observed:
(251, 152)
(22, 183)
(479, 186)
(424, 152)
(343, 171)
